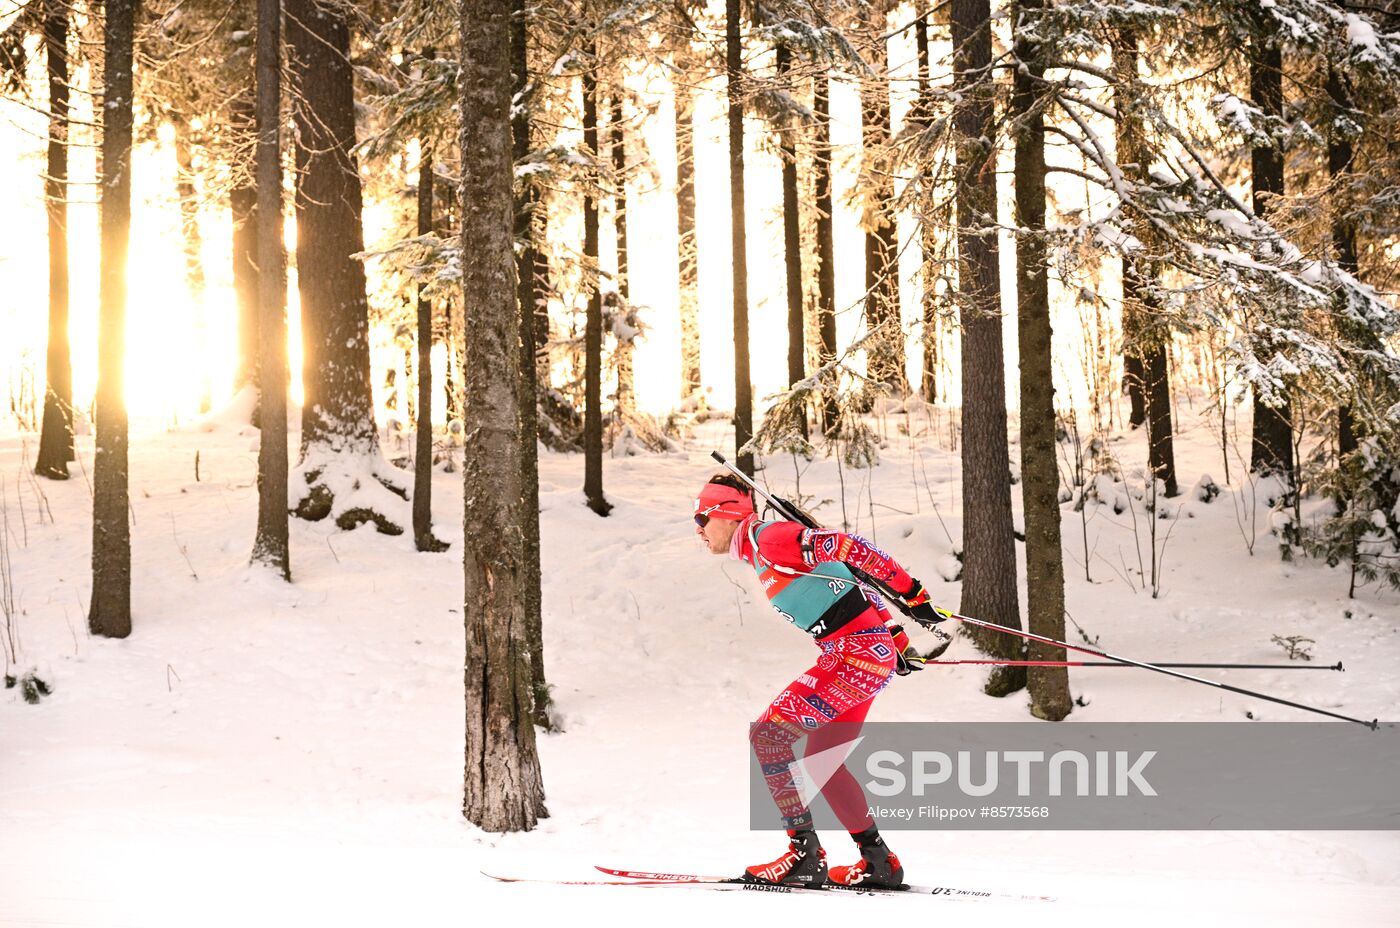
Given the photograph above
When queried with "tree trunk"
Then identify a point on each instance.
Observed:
(626, 378)
(339, 441)
(928, 386)
(410, 394)
(1271, 448)
(989, 553)
(1145, 332)
(593, 325)
(688, 262)
(452, 393)
(243, 200)
(826, 240)
(1133, 376)
(503, 788)
(56, 438)
(188, 195)
(885, 354)
(1040, 477)
(1339, 163)
(792, 240)
(734, 92)
(270, 546)
(110, 610)
(1160, 456)
(423, 538)
(531, 307)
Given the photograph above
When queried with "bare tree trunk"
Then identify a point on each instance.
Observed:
(593, 325)
(411, 395)
(56, 438)
(792, 241)
(826, 239)
(270, 546)
(734, 90)
(688, 262)
(338, 428)
(1040, 477)
(188, 195)
(531, 306)
(928, 386)
(626, 378)
(452, 392)
(1271, 448)
(110, 610)
(617, 149)
(503, 788)
(1145, 332)
(1339, 163)
(989, 552)
(885, 356)
(1160, 456)
(423, 538)
(243, 200)
(1133, 375)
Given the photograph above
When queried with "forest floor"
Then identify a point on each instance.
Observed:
(273, 754)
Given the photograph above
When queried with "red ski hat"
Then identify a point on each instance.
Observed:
(717, 501)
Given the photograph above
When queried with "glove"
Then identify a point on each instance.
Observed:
(928, 615)
(907, 660)
(920, 609)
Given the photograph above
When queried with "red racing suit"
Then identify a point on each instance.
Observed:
(828, 703)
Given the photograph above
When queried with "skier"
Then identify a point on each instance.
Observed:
(810, 577)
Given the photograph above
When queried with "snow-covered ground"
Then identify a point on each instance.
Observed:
(272, 754)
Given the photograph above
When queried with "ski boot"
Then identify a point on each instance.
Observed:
(804, 864)
(877, 866)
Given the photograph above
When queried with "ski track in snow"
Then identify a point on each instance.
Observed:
(291, 755)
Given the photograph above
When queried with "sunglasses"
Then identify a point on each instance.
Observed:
(702, 518)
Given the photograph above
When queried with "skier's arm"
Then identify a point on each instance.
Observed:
(827, 546)
(796, 547)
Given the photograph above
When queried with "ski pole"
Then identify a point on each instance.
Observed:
(773, 501)
(1373, 724)
(1336, 666)
(899, 603)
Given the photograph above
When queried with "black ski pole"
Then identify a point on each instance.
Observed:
(899, 603)
(1336, 666)
(1373, 724)
(771, 500)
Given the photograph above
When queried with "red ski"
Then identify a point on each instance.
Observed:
(650, 878)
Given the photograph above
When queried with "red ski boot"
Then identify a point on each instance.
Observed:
(804, 864)
(877, 867)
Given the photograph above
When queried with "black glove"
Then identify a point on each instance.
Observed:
(920, 609)
(927, 614)
(907, 660)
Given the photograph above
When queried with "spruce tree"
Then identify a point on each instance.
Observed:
(503, 788)
(988, 551)
(109, 612)
(56, 437)
(271, 546)
(339, 438)
(1040, 476)
(738, 237)
(593, 324)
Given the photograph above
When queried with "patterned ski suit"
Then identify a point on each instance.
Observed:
(806, 574)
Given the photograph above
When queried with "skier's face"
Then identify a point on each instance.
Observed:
(717, 534)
